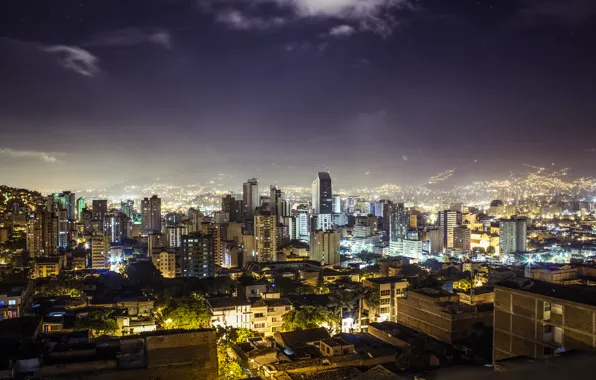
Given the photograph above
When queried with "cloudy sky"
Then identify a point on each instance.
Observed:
(101, 91)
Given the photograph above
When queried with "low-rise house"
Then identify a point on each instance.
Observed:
(267, 314)
(230, 312)
(13, 298)
(390, 290)
(47, 266)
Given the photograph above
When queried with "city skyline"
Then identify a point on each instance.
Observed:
(382, 91)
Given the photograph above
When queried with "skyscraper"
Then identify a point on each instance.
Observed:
(513, 235)
(325, 247)
(100, 209)
(151, 214)
(265, 227)
(278, 204)
(100, 248)
(448, 220)
(250, 195)
(81, 205)
(336, 204)
(322, 197)
(398, 222)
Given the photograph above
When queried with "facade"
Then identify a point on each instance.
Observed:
(325, 247)
(302, 224)
(390, 290)
(165, 262)
(439, 314)
(436, 240)
(406, 248)
(398, 222)
(539, 319)
(14, 297)
(100, 209)
(267, 314)
(230, 312)
(462, 238)
(175, 234)
(250, 196)
(513, 235)
(100, 248)
(196, 256)
(448, 220)
(151, 214)
(322, 197)
(336, 204)
(324, 221)
(265, 233)
(47, 266)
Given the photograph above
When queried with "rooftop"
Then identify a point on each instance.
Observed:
(386, 280)
(575, 293)
(223, 302)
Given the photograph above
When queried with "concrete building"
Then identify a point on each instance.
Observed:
(513, 235)
(406, 248)
(47, 266)
(151, 214)
(390, 289)
(267, 314)
(265, 233)
(165, 262)
(174, 235)
(436, 240)
(439, 314)
(250, 197)
(232, 312)
(196, 256)
(540, 319)
(398, 222)
(100, 248)
(462, 238)
(325, 247)
(448, 220)
(322, 195)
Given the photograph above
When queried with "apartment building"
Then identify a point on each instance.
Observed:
(267, 314)
(540, 319)
(230, 312)
(390, 290)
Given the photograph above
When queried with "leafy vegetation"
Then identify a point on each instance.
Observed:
(60, 287)
(98, 322)
(186, 313)
(309, 317)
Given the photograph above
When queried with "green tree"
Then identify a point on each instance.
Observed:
(98, 322)
(186, 313)
(231, 370)
(60, 287)
(310, 317)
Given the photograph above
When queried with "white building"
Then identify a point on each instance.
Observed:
(230, 312)
(513, 235)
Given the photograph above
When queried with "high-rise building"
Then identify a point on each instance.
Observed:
(81, 205)
(128, 207)
(265, 227)
(448, 220)
(100, 248)
(34, 235)
(322, 198)
(302, 223)
(336, 204)
(100, 209)
(67, 201)
(323, 222)
(462, 238)
(513, 235)
(196, 257)
(165, 262)
(325, 247)
(151, 214)
(233, 207)
(175, 234)
(436, 239)
(115, 226)
(63, 228)
(398, 222)
(278, 204)
(250, 198)
(387, 208)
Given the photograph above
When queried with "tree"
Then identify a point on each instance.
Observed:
(310, 317)
(186, 313)
(228, 337)
(231, 370)
(143, 274)
(60, 287)
(98, 322)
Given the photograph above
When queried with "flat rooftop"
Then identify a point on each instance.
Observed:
(575, 293)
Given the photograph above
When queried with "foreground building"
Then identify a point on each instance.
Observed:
(540, 319)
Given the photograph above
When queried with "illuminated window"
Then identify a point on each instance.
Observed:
(385, 293)
(556, 309)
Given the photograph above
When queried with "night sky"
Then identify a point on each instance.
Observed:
(94, 92)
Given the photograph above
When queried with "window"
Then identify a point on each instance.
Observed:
(288, 308)
(384, 310)
(271, 310)
(385, 293)
(274, 319)
(274, 329)
(385, 301)
(556, 309)
(259, 315)
(259, 325)
(12, 302)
